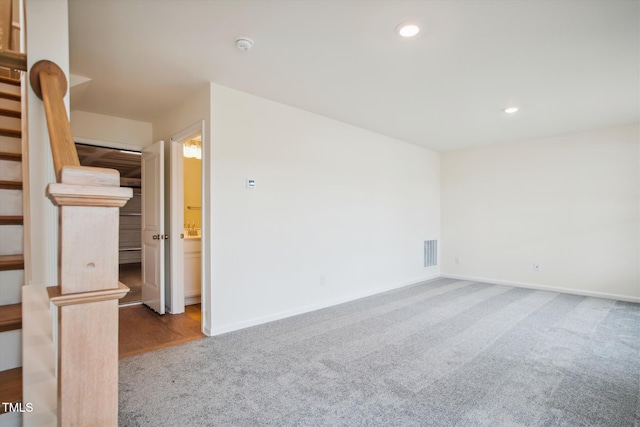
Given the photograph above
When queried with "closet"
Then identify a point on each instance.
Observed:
(130, 249)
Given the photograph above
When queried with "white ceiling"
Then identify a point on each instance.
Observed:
(569, 65)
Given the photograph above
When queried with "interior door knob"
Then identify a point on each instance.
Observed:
(156, 237)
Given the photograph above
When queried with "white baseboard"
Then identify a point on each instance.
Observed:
(542, 287)
(306, 309)
(192, 300)
(313, 307)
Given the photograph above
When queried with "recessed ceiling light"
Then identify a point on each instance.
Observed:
(407, 29)
(511, 110)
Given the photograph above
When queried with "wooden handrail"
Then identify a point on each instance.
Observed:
(50, 84)
(13, 60)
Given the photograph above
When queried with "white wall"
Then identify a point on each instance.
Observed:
(179, 117)
(107, 128)
(569, 203)
(46, 38)
(338, 212)
(196, 108)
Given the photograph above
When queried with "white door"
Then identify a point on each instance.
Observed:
(153, 236)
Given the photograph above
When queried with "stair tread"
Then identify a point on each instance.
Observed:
(11, 262)
(11, 185)
(10, 317)
(11, 220)
(12, 133)
(9, 81)
(5, 155)
(7, 112)
(10, 386)
(11, 96)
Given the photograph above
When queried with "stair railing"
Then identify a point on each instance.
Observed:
(88, 292)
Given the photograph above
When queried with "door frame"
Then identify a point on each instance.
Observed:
(176, 215)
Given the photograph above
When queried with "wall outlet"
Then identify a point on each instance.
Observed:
(457, 260)
(536, 267)
(322, 281)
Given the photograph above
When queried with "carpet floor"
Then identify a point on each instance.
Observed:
(441, 353)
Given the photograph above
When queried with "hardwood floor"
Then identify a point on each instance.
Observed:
(142, 330)
(131, 275)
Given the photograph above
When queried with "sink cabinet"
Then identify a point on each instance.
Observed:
(192, 263)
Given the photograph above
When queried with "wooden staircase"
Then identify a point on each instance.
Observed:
(11, 214)
(11, 238)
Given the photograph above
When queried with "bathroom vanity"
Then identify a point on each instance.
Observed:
(192, 263)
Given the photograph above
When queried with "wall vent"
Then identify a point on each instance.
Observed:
(430, 253)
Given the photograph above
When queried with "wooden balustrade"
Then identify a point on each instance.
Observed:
(88, 291)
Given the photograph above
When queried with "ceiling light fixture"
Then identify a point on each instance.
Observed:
(407, 29)
(192, 149)
(511, 110)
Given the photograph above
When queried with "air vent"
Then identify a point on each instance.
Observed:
(430, 253)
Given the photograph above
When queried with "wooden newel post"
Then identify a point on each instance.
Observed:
(87, 297)
(88, 291)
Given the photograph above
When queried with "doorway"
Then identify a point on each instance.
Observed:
(128, 163)
(140, 328)
(186, 215)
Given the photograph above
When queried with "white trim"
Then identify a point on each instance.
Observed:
(192, 300)
(313, 307)
(129, 304)
(543, 287)
(190, 132)
(176, 227)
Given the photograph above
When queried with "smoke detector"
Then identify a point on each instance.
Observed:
(407, 29)
(244, 43)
